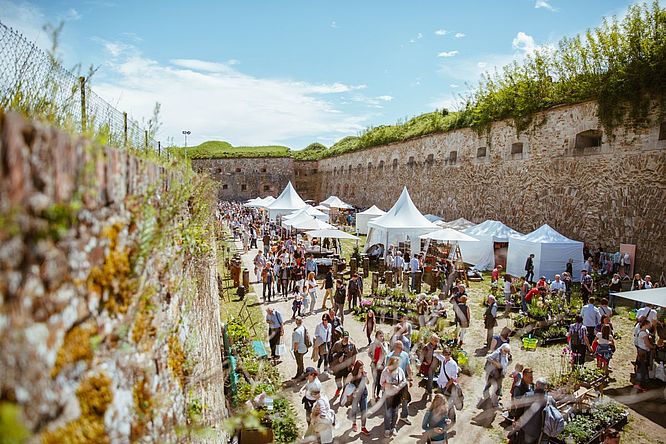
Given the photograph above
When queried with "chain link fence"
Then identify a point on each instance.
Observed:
(34, 82)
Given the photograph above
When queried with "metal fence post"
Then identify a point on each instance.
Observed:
(84, 116)
(125, 129)
(159, 148)
(145, 139)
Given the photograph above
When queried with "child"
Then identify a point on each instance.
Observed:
(296, 306)
(516, 376)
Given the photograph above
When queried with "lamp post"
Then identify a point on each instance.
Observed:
(186, 133)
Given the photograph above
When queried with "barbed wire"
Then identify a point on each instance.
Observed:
(34, 82)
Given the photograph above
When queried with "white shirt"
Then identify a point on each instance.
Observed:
(309, 386)
(591, 316)
(414, 264)
(448, 368)
(649, 313)
(557, 286)
(299, 338)
(399, 262)
(397, 379)
(323, 334)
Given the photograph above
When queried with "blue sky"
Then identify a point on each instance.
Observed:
(295, 72)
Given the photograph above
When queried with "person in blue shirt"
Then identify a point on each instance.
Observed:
(436, 420)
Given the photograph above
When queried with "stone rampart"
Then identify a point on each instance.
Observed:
(109, 313)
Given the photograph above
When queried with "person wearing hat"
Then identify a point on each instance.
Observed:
(321, 418)
(531, 421)
(312, 383)
(343, 356)
(300, 349)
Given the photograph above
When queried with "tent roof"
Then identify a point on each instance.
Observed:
(449, 234)
(288, 200)
(433, 218)
(301, 217)
(546, 235)
(459, 224)
(336, 202)
(333, 234)
(328, 200)
(323, 208)
(373, 210)
(312, 224)
(651, 296)
(403, 214)
(492, 228)
(295, 214)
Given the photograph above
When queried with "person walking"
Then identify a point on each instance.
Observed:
(353, 291)
(275, 331)
(340, 297)
(578, 341)
(393, 382)
(323, 336)
(311, 265)
(529, 268)
(463, 316)
(490, 320)
(405, 365)
(312, 383)
(422, 308)
(436, 421)
(531, 421)
(259, 264)
(369, 325)
(378, 353)
(500, 339)
(586, 286)
(267, 280)
(285, 273)
(428, 365)
(644, 346)
(311, 284)
(359, 377)
(299, 346)
(327, 285)
(414, 267)
(605, 346)
(399, 267)
(447, 381)
(321, 419)
(343, 356)
(568, 285)
(497, 363)
(591, 318)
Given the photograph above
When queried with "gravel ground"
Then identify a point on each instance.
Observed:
(472, 424)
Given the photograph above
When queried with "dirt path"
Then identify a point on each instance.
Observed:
(473, 426)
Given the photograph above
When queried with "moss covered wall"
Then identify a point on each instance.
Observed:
(109, 309)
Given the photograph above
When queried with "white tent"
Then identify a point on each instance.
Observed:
(459, 224)
(254, 203)
(366, 216)
(433, 218)
(312, 211)
(312, 224)
(403, 222)
(287, 201)
(448, 235)
(300, 217)
(651, 296)
(551, 252)
(332, 234)
(266, 201)
(323, 208)
(482, 254)
(336, 202)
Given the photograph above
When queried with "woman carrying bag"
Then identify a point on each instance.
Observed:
(358, 378)
(436, 422)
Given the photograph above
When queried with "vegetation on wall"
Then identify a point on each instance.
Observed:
(619, 64)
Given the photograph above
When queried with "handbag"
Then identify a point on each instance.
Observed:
(281, 349)
(348, 395)
(456, 394)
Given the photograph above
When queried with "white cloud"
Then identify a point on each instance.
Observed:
(447, 54)
(26, 19)
(372, 102)
(449, 102)
(385, 98)
(72, 14)
(419, 36)
(334, 25)
(441, 32)
(524, 43)
(460, 35)
(216, 101)
(453, 85)
(539, 4)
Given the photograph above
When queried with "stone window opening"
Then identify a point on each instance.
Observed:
(369, 166)
(381, 164)
(315, 170)
(225, 186)
(588, 139)
(517, 148)
(335, 171)
(219, 171)
(238, 170)
(349, 169)
(395, 164)
(481, 151)
(453, 157)
(430, 159)
(410, 161)
(267, 187)
(263, 170)
(243, 187)
(662, 131)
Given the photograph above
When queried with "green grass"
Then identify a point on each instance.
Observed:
(215, 149)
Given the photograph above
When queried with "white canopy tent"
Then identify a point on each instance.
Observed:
(482, 254)
(287, 202)
(323, 208)
(459, 224)
(403, 222)
(312, 211)
(335, 202)
(551, 252)
(312, 224)
(650, 296)
(448, 235)
(266, 201)
(366, 216)
(331, 234)
(300, 217)
(433, 218)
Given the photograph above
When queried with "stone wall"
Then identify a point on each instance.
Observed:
(109, 308)
(603, 195)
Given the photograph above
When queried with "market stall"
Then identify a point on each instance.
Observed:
(402, 223)
(551, 252)
(366, 216)
(491, 250)
(287, 202)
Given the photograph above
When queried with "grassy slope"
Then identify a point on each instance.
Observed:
(219, 149)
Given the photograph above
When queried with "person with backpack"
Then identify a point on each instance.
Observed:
(541, 419)
(578, 341)
(447, 381)
(299, 340)
(343, 356)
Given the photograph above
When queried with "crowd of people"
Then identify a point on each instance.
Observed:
(285, 272)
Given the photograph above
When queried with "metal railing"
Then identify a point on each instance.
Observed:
(34, 82)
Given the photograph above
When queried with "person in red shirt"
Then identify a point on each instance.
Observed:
(496, 273)
(531, 294)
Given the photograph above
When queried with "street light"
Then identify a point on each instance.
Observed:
(186, 133)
